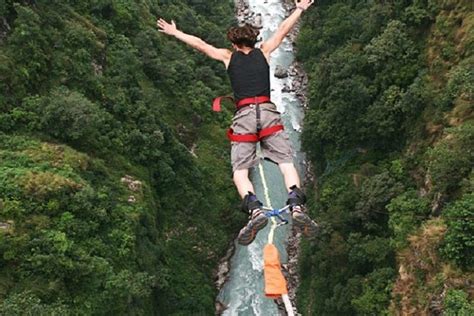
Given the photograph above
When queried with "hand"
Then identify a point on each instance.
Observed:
(166, 27)
(303, 4)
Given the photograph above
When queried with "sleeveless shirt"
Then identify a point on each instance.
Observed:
(249, 74)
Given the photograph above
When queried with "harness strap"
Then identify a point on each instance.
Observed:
(257, 112)
(253, 138)
(216, 104)
(249, 138)
(252, 100)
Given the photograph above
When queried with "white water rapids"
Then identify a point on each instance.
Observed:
(243, 294)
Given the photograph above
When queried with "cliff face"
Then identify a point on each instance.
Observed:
(390, 133)
(115, 191)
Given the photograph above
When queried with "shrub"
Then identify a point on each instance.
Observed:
(69, 116)
(459, 241)
(406, 212)
(456, 303)
(375, 298)
(452, 158)
(26, 303)
(376, 192)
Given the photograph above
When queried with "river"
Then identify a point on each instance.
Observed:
(243, 293)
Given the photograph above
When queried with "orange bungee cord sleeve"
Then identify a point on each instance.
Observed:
(275, 283)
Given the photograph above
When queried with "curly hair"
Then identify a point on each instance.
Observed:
(243, 35)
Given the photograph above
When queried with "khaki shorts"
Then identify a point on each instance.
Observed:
(275, 147)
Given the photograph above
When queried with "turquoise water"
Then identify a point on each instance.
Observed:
(243, 294)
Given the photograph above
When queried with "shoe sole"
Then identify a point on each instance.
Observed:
(305, 224)
(251, 230)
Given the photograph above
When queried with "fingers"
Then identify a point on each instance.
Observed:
(161, 23)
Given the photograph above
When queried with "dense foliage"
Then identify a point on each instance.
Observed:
(389, 130)
(107, 146)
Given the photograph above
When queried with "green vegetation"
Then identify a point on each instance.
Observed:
(389, 131)
(107, 148)
(115, 197)
(456, 304)
(459, 241)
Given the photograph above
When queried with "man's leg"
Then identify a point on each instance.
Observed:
(250, 205)
(297, 199)
(242, 182)
(290, 175)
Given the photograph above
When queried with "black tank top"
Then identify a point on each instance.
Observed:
(249, 74)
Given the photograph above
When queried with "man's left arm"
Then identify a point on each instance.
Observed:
(285, 27)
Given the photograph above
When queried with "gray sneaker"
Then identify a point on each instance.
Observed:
(256, 223)
(303, 222)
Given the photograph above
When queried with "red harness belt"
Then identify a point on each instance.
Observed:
(216, 104)
(253, 138)
(250, 138)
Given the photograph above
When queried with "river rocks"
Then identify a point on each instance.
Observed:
(245, 16)
(287, 88)
(280, 72)
(222, 276)
(220, 307)
(257, 21)
(299, 82)
(222, 273)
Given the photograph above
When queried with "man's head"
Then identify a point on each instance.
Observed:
(243, 36)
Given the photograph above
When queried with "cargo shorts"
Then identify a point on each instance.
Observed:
(276, 147)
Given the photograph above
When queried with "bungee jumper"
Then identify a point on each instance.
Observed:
(256, 119)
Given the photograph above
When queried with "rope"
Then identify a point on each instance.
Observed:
(285, 298)
(268, 203)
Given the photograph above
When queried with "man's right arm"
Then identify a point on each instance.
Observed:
(220, 54)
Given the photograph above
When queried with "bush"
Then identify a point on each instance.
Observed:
(406, 212)
(456, 303)
(460, 84)
(452, 158)
(26, 303)
(70, 117)
(459, 240)
(377, 288)
(376, 193)
(393, 56)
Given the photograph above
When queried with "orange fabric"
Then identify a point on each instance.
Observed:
(275, 283)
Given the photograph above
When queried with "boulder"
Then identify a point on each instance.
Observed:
(280, 72)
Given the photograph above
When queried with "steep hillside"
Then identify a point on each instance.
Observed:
(115, 191)
(390, 133)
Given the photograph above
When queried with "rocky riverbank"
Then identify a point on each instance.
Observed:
(222, 276)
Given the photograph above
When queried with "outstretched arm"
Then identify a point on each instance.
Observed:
(220, 54)
(285, 27)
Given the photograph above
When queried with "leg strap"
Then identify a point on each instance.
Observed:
(253, 138)
(296, 196)
(250, 203)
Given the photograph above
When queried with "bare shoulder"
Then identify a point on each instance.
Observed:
(226, 56)
(265, 50)
(227, 53)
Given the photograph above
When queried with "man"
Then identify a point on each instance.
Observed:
(256, 118)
